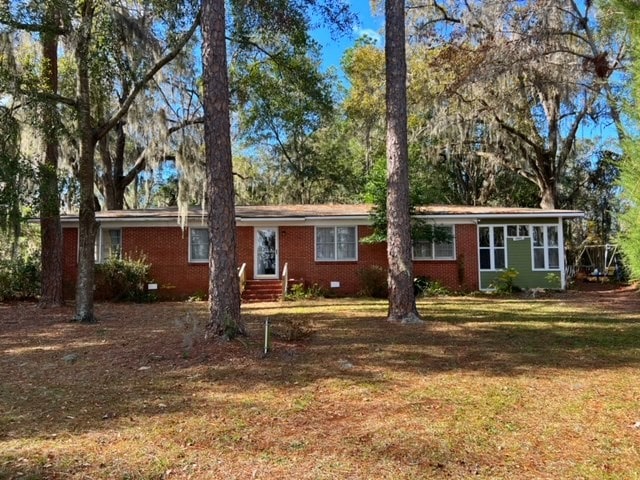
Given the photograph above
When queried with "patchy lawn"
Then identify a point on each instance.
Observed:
(491, 388)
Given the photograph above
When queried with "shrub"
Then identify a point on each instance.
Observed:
(20, 278)
(373, 282)
(125, 279)
(435, 288)
(422, 286)
(299, 291)
(505, 282)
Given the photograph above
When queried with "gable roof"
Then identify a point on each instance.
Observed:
(327, 212)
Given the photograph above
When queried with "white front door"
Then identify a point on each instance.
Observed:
(266, 252)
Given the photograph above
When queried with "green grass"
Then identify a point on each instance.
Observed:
(487, 388)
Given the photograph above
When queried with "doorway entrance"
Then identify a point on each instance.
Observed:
(266, 252)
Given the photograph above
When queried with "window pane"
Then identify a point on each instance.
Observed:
(325, 243)
(498, 237)
(346, 238)
(485, 259)
(444, 250)
(199, 244)
(484, 237)
(498, 256)
(347, 251)
(512, 231)
(523, 231)
(325, 235)
(422, 249)
(346, 234)
(538, 236)
(552, 233)
(538, 258)
(554, 258)
(325, 252)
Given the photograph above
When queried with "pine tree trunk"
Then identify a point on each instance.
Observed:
(50, 227)
(224, 289)
(402, 304)
(87, 217)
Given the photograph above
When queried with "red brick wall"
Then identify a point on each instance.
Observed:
(245, 248)
(167, 249)
(297, 247)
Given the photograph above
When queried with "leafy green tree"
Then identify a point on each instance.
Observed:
(29, 76)
(363, 65)
(532, 74)
(283, 102)
(15, 176)
(88, 23)
(627, 14)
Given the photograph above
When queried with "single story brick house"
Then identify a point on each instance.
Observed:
(321, 244)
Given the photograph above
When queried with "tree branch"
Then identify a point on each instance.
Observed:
(32, 27)
(138, 86)
(138, 166)
(184, 124)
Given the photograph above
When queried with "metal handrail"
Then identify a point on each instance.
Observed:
(242, 276)
(285, 280)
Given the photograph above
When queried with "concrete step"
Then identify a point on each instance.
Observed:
(262, 291)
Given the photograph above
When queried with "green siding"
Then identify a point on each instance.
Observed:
(519, 258)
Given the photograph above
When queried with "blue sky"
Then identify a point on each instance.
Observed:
(368, 24)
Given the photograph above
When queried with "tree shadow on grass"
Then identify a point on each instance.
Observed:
(135, 364)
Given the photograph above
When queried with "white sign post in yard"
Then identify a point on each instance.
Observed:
(267, 340)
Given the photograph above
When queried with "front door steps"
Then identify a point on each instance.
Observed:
(262, 291)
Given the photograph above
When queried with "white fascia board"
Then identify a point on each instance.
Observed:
(153, 221)
(446, 219)
(498, 216)
(262, 220)
(308, 221)
(338, 221)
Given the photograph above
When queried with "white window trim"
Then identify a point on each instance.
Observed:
(546, 247)
(433, 248)
(492, 249)
(98, 255)
(335, 244)
(199, 260)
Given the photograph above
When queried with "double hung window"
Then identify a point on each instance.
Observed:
(336, 243)
(198, 245)
(435, 249)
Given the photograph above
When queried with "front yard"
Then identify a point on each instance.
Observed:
(488, 388)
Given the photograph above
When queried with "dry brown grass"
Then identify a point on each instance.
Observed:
(489, 388)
